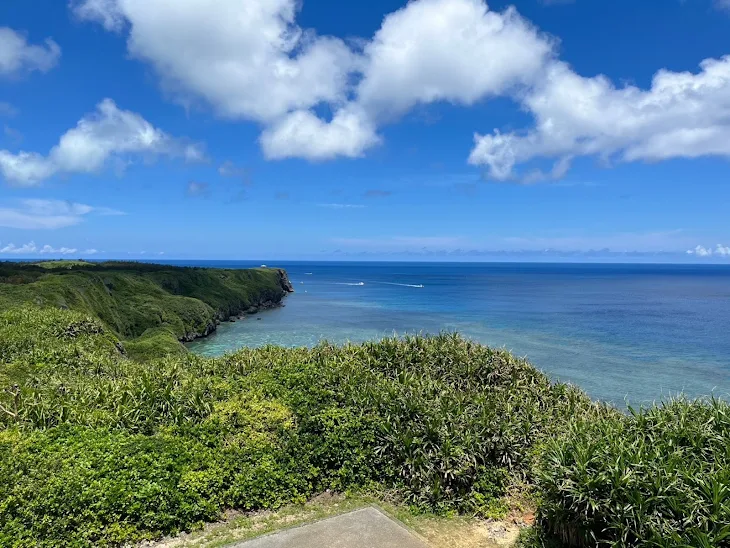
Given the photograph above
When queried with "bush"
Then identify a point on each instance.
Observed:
(657, 477)
(149, 448)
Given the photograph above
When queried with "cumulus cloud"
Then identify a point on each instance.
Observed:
(48, 214)
(32, 249)
(701, 251)
(448, 50)
(17, 56)
(107, 133)
(302, 134)
(251, 60)
(246, 59)
(46, 249)
(24, 249)
(682, 115)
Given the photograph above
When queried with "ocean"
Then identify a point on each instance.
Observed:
(624, 333)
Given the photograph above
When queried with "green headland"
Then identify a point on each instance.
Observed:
(112, 433)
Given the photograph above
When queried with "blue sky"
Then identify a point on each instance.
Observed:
(435, 129)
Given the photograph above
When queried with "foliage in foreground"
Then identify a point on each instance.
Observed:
(657, 477)
(101, 450)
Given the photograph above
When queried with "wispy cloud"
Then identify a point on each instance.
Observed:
(657, 242)
(341, 206)
(198, 189)
(13, 135)
(229, 169)
(21, 57)
(653, 241)
(376, 193)
(723, 5)
(399, 242)
(7, 110)
(49, 214)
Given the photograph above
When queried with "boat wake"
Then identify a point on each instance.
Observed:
(419, 286)
(346, 283)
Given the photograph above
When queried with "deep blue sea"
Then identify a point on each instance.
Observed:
(633, 333)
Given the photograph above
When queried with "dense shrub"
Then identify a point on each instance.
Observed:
(657, 477)
(445, 421)
(97, 448)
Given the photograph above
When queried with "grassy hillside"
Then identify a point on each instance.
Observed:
(150, 306)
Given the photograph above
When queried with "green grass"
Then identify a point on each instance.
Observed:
(154, 306)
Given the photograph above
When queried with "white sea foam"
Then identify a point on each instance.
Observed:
(419, 286)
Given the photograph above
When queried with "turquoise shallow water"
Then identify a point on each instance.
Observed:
(621, 332)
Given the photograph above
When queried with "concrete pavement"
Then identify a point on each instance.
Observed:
(364, 528)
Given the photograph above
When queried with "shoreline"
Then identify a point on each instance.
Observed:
(286, 287)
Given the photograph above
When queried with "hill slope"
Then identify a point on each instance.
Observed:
(150, 306)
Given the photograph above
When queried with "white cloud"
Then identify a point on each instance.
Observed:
(428, 51)
(17, 56)
(47, 249)
(246, 59)
(105, 12)
(48, 214)
(700, 251)
(723, 5)
(250, 60)
(108, 133)
(448, 50)
(24, 249)
(682, 115)
(302, 134)
(32, 249)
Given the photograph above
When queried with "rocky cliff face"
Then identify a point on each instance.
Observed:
(284, 280)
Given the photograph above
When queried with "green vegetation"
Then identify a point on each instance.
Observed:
(657, 477)
(151, 306)
(98, 448)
